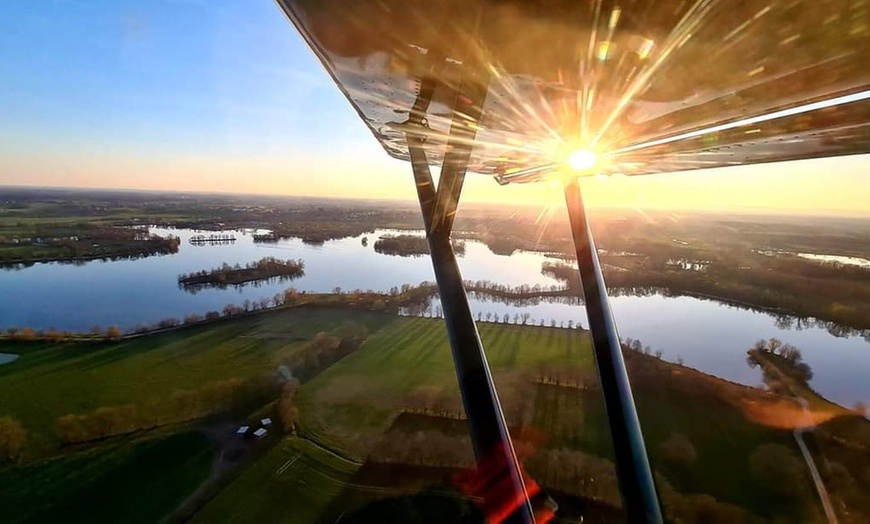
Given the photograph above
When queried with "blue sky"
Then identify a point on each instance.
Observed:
(164, 80)
(225, 96)
(166, 74)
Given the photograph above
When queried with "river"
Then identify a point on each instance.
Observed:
(708, 335)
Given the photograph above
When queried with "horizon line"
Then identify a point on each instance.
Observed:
(706, 210)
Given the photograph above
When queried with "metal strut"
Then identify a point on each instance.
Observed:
(493, 448)
(632, 465)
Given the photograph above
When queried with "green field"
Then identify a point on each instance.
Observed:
(363, 392)
(352, 409)
(295, 482)
(137, 481)
(50, 380)
(360, 407)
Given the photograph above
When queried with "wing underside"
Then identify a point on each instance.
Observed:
(650, 85)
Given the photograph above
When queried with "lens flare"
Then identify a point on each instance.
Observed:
(582, 160)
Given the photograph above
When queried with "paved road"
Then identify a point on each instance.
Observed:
(808, 458)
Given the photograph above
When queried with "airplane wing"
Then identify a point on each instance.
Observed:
(649, 85)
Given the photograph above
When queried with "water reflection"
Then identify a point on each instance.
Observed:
(127, 292)
(702, 333)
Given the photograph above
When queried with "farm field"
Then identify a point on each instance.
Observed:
(389, 415)
(52, 380)
(354, 408)
(141, 479)
(294, 482)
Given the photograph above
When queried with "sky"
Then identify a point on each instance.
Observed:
(224, 96)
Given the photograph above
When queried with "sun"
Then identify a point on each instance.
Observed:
(582, 160)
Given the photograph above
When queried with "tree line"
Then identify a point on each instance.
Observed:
(323, 351)
(410, 246)
(180, 406)
(59, 242)
(54, 335)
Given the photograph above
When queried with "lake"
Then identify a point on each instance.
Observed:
(708, 335)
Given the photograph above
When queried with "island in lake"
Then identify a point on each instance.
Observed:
(267, 268)
(410, 246)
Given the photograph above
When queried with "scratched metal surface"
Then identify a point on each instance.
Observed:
(650, 85)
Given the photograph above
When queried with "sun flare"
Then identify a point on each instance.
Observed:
(582, 160)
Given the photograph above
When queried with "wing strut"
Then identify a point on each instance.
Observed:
(632, 465)
(493, 448)
(489, 433)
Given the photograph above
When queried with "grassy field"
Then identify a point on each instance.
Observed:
(353, 408)
(354, 403)
(53, 380)
(135, 481)
(361, 394)
(295, 482)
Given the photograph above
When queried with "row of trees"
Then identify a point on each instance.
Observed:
(410, 246)
(637, 346)
(776, 347)
(436, 402)
(180, 406)
(58, 242)
(290, 297)
(54, 335)
(323, 351)
(288, 412)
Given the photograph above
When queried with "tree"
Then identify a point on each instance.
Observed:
(54, 335)
(773, 345)
(291, 295)
(678, 451)
(287, 410)
(167, 323)
(113, 333)
(12, 438)
(791, 353)
(776, 468)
